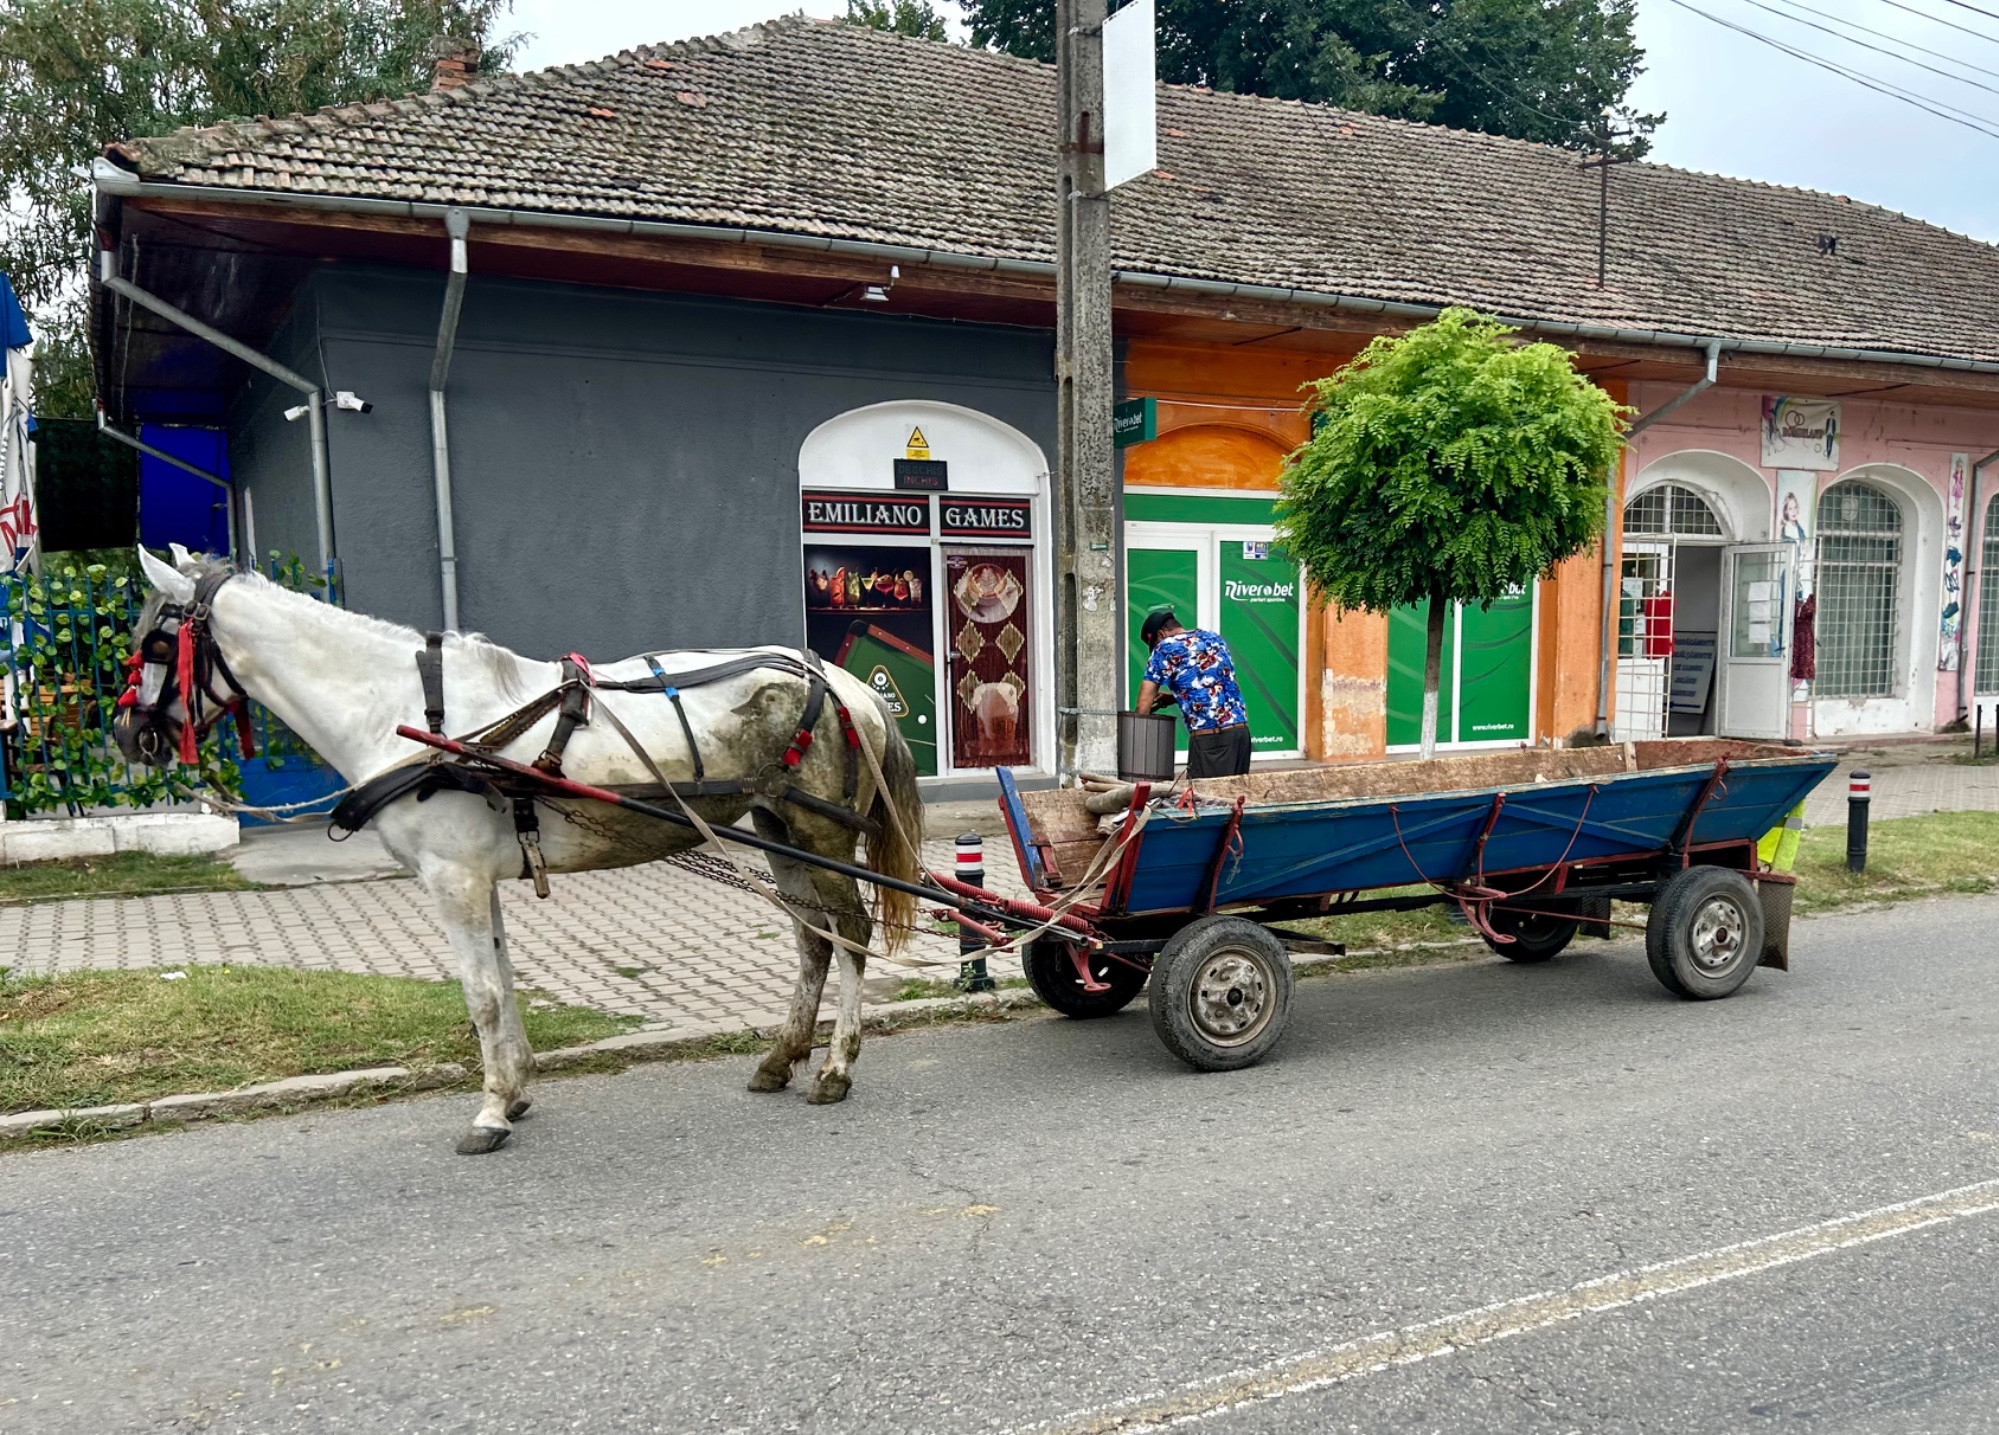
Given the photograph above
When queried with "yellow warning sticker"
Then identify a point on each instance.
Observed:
(919, 446)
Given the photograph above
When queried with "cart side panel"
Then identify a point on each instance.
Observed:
(1311, 850)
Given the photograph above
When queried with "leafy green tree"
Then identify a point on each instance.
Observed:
(1556, 71)
(902, 17)
(78, 74)
(1451, 465)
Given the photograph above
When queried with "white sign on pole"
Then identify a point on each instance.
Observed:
(1131, 96)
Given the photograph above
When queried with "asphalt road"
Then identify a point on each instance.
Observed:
(1053, 1224)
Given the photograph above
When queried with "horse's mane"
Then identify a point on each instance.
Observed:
(511, 672)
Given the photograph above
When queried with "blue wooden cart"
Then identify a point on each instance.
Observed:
(1192, 890)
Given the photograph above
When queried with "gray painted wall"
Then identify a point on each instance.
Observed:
(625, 465)
(271, 459)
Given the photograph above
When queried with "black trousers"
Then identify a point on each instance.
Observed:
(1223, 753)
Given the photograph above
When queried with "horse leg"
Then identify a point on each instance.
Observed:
(836, 1077)
(794, 1038)
(518, 1033)
(468, 905)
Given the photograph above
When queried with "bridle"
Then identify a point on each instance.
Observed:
(178, 658)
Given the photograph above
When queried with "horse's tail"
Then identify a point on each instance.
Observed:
(892, 851)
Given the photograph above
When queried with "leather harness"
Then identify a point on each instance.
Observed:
(572, 703)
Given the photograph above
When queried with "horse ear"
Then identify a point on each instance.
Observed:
(174, 584)
(183, 560)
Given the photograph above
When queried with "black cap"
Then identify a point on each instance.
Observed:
(1155, 622)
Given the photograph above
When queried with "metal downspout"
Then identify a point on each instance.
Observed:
(457, 226)
(322, 481)
(104, 426)
(1607, 639)
(1974, 549)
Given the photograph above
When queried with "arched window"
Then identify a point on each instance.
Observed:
(1988, 607)
(1860, 561)
(1670, 510)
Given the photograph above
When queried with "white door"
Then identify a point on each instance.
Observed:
(1643, 674)
(1755, 660)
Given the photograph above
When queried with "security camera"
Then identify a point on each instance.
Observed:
(293, 415)
(352, 402)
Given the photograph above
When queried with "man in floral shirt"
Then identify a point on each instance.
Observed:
(1194, 666)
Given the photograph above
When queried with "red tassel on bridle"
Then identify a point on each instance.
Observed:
(188, 736)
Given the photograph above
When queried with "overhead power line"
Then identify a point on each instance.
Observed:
(1885, 35)
(1939, 20)
(1988, 128)
(1877, 49)
(1988, 14)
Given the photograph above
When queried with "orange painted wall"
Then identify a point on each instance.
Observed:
(1572, 630)
(1206, 454)
(1227, 418)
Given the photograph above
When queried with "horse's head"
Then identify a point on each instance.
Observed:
(180, 686)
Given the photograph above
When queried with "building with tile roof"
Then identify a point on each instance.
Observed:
(829, 215)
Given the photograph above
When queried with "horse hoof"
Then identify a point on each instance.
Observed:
(478, 1140)
(519, 1108)
(767, 1079)
(829, 1089)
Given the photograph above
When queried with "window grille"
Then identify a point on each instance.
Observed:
(1988, 607)
(1671, 510)
(1860, 560)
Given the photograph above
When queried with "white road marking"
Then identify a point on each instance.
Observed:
(1411, 1344)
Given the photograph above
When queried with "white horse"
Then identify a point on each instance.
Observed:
(343, 682)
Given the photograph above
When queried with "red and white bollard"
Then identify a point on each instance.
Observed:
(1859, 799)
(970, 868)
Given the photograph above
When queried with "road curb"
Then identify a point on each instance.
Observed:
(289, 1094)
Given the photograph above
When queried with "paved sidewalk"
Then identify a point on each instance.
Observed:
(654, 941)
(1908, 782)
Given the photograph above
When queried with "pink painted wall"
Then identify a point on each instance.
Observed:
(1919, 438)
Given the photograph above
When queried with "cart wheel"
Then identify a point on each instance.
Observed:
(1221, 990)
(1536, 935)
(1705, 934)
(1052, 974)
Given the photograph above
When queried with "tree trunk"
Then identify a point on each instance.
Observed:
(1433, 662)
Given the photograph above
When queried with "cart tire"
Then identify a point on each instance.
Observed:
(1221, 993)
(1536, 935)
(1052, 974)
(1705, 934)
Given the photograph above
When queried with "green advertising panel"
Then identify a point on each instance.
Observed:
(1497, 650)
(1259, 622)
(1157, 578)
(1496, 647)
(903, 676)
(1407, 642)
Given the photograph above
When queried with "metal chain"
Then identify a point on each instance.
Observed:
(703, 863)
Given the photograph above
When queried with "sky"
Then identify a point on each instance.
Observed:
(1734, 104)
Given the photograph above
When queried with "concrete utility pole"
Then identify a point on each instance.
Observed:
(1087, 659)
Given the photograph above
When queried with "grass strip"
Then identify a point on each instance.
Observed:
(124, 874)
(99, 1038)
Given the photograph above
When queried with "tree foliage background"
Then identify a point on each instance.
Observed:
(1451, 464)
(902, 17)
(78, 74)
(1557, 71)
